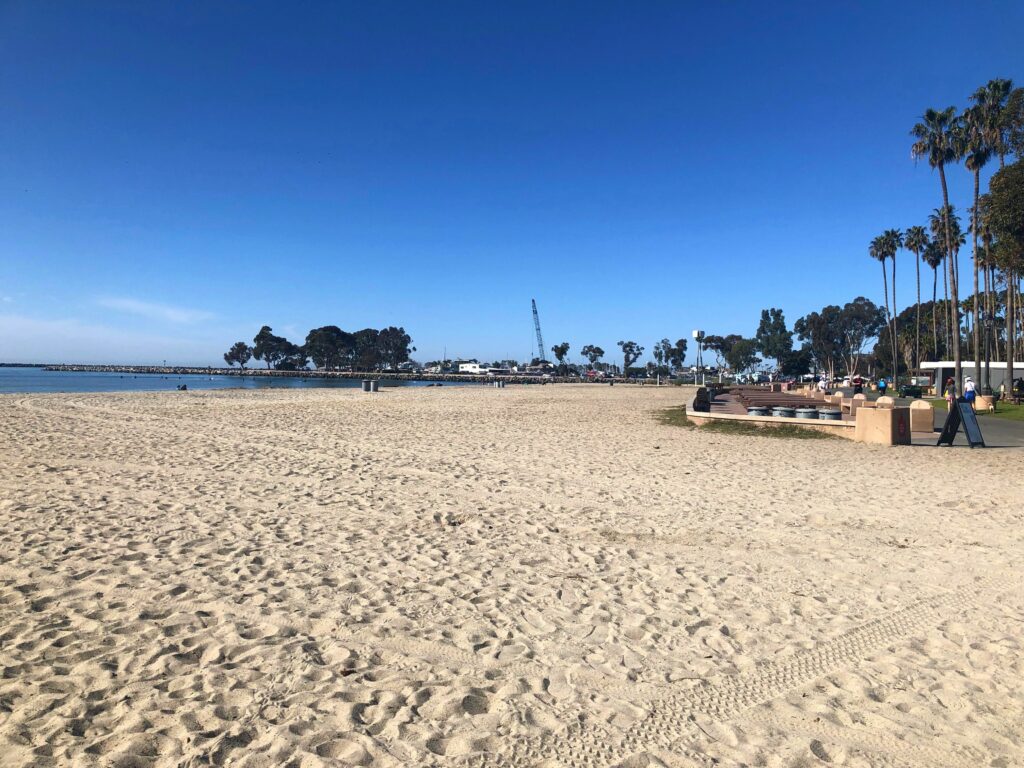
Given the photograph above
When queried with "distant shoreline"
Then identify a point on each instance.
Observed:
(307, 374)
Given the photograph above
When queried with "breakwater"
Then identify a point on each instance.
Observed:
(161, 370)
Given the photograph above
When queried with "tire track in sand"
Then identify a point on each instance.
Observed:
(673, 718)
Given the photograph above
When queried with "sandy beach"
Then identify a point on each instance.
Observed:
(529, 576)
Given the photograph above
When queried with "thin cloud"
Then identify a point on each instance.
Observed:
(163, 312)
(68, 340)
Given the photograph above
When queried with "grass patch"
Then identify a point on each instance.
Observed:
(1004, 410)
(675, 417)
(786, 431)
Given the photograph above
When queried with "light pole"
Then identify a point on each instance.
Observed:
(698, 336)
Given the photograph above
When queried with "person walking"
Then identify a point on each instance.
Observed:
(969, 391)
(858, 385)
(882, 386)
(949, 392)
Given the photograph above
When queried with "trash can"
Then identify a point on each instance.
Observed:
(366, 385)
(374, 385)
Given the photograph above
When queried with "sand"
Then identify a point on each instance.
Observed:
(480, 577)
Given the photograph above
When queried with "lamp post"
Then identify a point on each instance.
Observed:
(698, 336)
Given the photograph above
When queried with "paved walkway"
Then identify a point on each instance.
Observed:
(998, 433)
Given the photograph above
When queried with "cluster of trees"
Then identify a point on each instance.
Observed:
(833, 340)
(666, 355)
(990, 127)
(329, 348)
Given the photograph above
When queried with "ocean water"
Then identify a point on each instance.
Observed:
(39, 380)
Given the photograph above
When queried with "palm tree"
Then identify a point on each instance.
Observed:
(990, 100)
(934, 139)
(941, 221)
(893, 242)
(933, 258)
(879, 249)
(977, 152)
(988, 267)
(915, 241)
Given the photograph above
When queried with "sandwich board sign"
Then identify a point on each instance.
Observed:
(962, 414)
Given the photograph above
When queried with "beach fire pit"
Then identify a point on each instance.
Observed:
(784, 411)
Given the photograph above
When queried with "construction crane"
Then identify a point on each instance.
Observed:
(540, 339)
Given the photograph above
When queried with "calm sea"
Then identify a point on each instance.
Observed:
(39, 380)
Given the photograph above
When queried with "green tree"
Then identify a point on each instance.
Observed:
(662, 354)
(367, 350)
(394, 346)
(822, 334)
(977, 150)
(721, 346)
(797, 362)
(593, 353)
(942, 220)
(329, 346)
(879, 249)
(1011, 125)
(857, 322)
(774, 340)
(916, 241)
(269, 348)
(992, 117)
(560, 351)
(933, 258)
(293, 357)
(935, 140)
(742, 355)
(240, 353)
(893, 242)
(631, 352)
(677, 353)
(988, 270)
(1006, 219)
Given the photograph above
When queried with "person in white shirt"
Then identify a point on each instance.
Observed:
(969, 390)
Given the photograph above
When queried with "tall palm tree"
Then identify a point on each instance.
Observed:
(933, 258)
(988, 267)
(893, 242)
(990, 101)
(940, 221)
(879, 249)
(934, 139)
(915, 241)
(976, 152)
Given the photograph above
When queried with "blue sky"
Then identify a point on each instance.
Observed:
(175, 175)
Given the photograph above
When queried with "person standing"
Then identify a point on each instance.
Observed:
(858, 385)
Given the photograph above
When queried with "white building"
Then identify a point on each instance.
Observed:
(943, 369)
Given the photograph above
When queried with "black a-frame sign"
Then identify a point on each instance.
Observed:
(962, 413)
